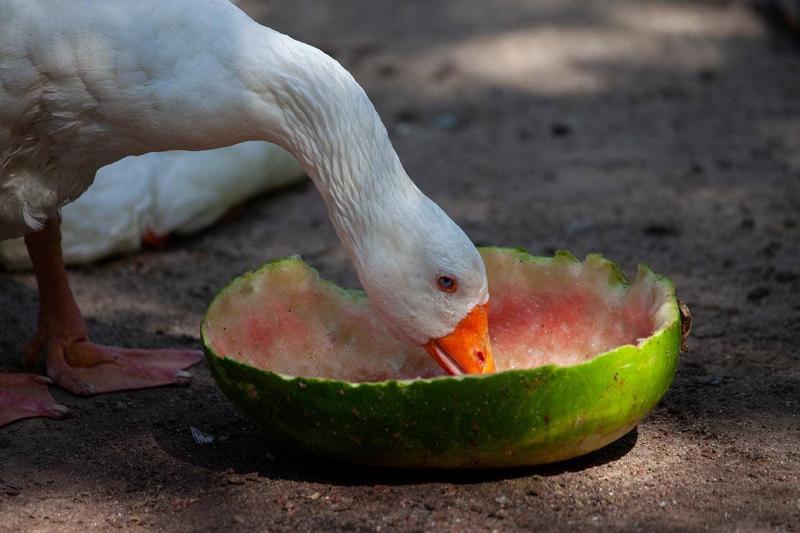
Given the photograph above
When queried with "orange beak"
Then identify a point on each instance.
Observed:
(467, 349)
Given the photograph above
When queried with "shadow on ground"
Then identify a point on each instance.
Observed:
(253, 451)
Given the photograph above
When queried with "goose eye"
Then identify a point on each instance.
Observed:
(447, 283)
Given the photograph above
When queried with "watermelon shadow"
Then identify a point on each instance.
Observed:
(241, 448)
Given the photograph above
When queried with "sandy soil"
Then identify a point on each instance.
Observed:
(664, 132)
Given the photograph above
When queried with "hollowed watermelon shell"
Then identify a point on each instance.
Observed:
(609, 350)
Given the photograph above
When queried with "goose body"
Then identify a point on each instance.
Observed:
(84, 84)
(87, 88)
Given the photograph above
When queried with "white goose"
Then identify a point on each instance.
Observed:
(84, 84)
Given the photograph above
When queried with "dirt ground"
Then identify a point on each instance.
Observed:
(663, 132)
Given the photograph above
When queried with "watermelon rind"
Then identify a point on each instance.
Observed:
(508, 419)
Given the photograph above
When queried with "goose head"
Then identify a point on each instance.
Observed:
(423, 275)
(427, 281)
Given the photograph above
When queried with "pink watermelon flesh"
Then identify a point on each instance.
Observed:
(548, 311)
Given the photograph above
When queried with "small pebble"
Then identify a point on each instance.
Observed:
(758, 294)
(446, 121)
(560, 129)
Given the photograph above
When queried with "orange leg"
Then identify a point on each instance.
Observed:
(73, 361)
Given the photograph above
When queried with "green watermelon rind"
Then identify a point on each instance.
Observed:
(512, 418)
